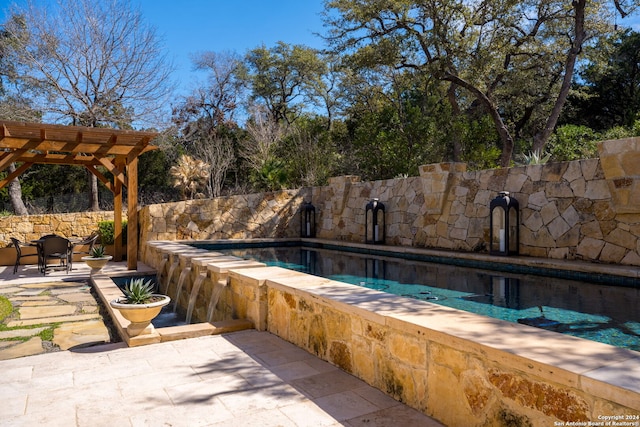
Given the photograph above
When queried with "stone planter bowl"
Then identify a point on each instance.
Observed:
(140, 315)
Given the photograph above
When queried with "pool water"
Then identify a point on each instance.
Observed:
(603, 313)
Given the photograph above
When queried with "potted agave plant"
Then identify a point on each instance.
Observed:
(97, 258)
(140, 305)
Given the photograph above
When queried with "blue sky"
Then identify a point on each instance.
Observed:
(191, 26)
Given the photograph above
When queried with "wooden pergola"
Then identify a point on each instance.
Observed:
(116, 150)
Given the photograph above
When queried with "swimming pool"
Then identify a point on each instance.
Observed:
(593, 311)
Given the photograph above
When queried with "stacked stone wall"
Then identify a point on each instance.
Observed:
(581, 210)
(31, 227)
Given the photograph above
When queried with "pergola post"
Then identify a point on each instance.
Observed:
(117, 216)
(132, 206)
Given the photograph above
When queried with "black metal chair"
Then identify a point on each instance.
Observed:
(84, 247)
(19, 255)
(56, 248)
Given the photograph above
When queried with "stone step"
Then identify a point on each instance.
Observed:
(53, 285)
(37, 303)
(30, 298)
(78, 297)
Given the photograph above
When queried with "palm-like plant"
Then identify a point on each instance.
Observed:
(189, 175)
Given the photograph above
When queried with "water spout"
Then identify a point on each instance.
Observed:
(172, 270)
(194, 295)
(183, 278)
(163, 264)
(218, 287)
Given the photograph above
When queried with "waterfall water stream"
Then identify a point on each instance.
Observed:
(194, 295)
(216, 292)
(183, 278)
(172, 270)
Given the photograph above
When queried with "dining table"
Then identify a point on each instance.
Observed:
(39, 244)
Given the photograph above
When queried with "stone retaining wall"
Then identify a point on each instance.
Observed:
(31, 227)
(581, 210)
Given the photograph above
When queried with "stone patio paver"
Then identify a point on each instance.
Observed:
(46, 311)
(34, 303)
(75, 297)
(37, 321)
(16, 333)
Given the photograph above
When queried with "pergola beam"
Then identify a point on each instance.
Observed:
(115, 150)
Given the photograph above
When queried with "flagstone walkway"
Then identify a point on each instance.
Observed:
(67, 310)
(59, 307)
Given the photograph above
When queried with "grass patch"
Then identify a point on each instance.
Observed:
(6, 308)
(47, 334)
(4, 327)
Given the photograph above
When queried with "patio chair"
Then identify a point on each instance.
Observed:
(19, 255)
(56, 248)
(83, 247)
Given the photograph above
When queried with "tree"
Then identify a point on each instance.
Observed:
(259, 149)
(218, 153)
(280, 78)
(90, 63)
(213, 104)
(205, 118)
(310, 152)
(513, 60)
(608, 91)
(396, 121)
(13, 106)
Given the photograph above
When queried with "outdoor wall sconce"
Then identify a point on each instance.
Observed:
(308, 220)
(374, 222)
(504, 231)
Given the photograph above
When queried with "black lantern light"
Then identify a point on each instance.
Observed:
(374, 222)
(504, 219)
(308, 220)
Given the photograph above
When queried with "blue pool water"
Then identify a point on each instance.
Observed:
(597, 312)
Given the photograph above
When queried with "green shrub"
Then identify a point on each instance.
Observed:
(106, 229)
(571, 142)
